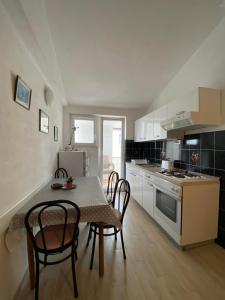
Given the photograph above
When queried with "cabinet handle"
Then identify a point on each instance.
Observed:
(132, 174)
(180, 113)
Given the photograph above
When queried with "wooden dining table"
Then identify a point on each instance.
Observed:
(88, 195)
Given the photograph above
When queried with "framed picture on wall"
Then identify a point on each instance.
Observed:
(22, 93)
(43, 122)
(55, 134)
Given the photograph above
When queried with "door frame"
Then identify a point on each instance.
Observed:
(122, 119)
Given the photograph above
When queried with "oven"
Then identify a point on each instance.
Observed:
(167, 207)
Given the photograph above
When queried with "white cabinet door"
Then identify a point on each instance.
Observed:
(159, 116)
(149, 127)
(137, 188)
(139, 130)
(148, 196)
(189, 102)
(135, 180)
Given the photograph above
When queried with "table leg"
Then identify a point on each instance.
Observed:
(101, 249)
(30, 254)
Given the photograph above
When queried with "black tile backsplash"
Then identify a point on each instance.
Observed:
(207, 140)
(207, 158)
(150, 150)
(220, 159)
(204, 153)
(220, 140)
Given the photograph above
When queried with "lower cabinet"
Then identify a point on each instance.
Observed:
(148, 196)
(141, 188)
(134, 177)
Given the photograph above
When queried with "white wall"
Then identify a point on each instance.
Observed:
(28, 157)
(206, 67)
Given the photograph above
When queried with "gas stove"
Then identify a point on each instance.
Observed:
(183, 175)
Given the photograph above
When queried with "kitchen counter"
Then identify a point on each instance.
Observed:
(186, 208)
(155, 169)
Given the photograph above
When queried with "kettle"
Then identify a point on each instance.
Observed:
(167, 164)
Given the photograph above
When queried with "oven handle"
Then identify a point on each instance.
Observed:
(176, 197)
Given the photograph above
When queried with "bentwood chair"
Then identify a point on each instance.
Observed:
(52, 240)
(111, 186)
(120, 206)
(61, 172)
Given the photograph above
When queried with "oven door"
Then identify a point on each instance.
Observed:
(167, 211)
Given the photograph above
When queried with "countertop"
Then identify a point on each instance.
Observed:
(154, 169)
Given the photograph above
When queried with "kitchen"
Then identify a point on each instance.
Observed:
(154, 70)
(177, 184)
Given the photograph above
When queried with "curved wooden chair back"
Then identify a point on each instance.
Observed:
(122, 197)
(112, 182)
(45, 214)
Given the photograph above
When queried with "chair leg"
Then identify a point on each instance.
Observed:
(93, 250)
(89, 236)
(45, 260)
(122, 242)
(74, 275)
(37, 278)
(76, 256)
(115, 233)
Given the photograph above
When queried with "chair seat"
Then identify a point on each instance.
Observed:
(118, 215)
(53, 236)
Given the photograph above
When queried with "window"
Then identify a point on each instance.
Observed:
(85, 130)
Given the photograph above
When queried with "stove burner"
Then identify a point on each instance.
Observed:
(179, 175)
(182, 174)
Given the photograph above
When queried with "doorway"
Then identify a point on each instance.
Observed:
(112, 147)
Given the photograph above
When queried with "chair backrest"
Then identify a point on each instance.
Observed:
(46, 214)
(61, 172)
(112, 181)
(121, 197)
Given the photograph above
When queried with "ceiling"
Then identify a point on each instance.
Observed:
(118, 53)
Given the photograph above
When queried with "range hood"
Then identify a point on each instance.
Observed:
(191, 120)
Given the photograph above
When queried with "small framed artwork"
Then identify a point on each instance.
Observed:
(43, 122)
(55, 134)
(22, 93)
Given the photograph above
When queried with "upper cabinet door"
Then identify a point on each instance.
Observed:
(159, 116)
(189, 102)
(149, 127)
(139, 130)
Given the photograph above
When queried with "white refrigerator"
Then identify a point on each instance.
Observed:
(75, 162)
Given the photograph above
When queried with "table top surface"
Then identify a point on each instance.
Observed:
(88, 192)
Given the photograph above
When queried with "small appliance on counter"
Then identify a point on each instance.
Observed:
(139, 161)
(167, 164)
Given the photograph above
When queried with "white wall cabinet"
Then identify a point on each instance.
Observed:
(149, 127)
(140, 130)
(204, 103)
(159, 116)
(189, 103)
